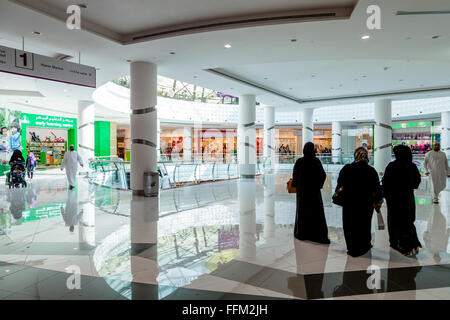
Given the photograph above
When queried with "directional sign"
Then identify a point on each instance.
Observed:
(36, 66)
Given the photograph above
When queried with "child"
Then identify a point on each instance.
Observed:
(31, 161)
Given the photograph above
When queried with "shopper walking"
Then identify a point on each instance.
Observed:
(436, 164)
(399, 181)
(30, 164)
(362, 193)
(308, 178)
(70, 163)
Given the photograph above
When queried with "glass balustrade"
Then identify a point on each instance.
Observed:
(115, 173)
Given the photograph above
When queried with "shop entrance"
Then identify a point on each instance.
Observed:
(48, 137)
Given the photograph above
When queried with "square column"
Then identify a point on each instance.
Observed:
(383, 134)
(144, 126)
(247, 136)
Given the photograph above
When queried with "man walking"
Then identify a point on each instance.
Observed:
(70, 163)
(436, 164)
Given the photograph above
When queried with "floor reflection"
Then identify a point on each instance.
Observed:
(225, 239)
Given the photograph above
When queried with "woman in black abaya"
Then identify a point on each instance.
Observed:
(362, 192)
(400, 179)
(308, 177)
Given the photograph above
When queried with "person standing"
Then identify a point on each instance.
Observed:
(30, 164)
(400, 179)
(308, 178)
(436, 164)
(70, 163)
(362, 193)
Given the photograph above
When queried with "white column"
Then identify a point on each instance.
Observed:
(144, 124)
(158, 139)
(187, 144)
(269, 137)
(247, 219)
(336, 141)
(269, 206)
(247, 136)
(383, 134)
(86, 132)
(307, 126)
(445, 133)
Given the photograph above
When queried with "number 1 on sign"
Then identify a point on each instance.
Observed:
(24, 60)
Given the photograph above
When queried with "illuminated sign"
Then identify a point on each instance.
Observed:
(411, 125)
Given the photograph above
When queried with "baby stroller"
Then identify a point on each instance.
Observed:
(17, 175)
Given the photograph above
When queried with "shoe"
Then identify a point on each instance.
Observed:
(71, 187)
(436, 201)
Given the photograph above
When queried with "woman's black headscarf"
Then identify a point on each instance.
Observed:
(403, 154)
(308, 150)
(17, 156)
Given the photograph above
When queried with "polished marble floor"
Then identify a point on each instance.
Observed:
(222, 240)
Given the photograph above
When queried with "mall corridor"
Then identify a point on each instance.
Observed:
(217, 249)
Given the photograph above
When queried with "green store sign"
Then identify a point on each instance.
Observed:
(35, 120)
(411, 125)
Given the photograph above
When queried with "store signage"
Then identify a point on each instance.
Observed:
(36, 66)
(35, 120)
(411, 125)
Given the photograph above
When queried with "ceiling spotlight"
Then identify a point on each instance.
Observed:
(82, 5)
(435, 37)
(128, 60)
(386, 68)
(228, 46)
(293, 40)
(195, 77)
(172, 52)
(365, 37)
(37, 33)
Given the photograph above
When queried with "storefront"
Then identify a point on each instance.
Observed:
(289, 140)
(215, 143)
(355, 137)
(419, 136)
(48, 137)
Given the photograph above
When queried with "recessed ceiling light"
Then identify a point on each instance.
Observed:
(293, 40)
(386, 68)
(313, 76)
(128, 60)
(36, 33)
(290, 88)
(83, 5)
(435, 37)
(228, 46)
(172, 52)
(231, 88)
(98, 69)
(401, 80)
(365, 37)
(195, 77)
(408, 38)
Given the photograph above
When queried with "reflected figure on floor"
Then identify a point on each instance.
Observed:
(399, 181)
(437, 234)
(436, 165)
(362, 192)
(17, 199)
(309, 286)
(31, 196)
(308, 178)
(70, 212)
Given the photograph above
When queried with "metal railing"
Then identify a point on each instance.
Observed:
(114, 172)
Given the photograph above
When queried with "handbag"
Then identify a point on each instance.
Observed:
(290, 188)
(338, 197)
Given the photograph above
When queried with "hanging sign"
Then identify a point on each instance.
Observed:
(36, 120)
(36, 66)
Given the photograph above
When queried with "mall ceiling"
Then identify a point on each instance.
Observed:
(290, 53)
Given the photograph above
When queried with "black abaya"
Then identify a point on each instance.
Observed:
(310, 222)
(361, 191)
(399, 182)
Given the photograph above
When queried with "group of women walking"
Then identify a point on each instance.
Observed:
(361, 193)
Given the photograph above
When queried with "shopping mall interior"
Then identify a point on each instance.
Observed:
(189, 126)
